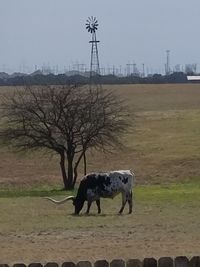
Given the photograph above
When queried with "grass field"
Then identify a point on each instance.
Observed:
(165, 222)
(163, 150)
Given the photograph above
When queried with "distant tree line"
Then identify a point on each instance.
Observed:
(62, 79)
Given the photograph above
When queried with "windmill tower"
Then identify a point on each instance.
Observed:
(91, 26)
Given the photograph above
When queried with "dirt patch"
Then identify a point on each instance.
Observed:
(95, 245)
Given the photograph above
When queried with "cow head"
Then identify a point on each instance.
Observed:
(77, 202)
(81, 196)
(78, 205)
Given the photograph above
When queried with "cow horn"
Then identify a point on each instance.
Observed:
(60, 201)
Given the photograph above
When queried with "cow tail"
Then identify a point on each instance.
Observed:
(133, 174)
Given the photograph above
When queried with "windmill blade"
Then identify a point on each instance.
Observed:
(89, 29)
(91, 24)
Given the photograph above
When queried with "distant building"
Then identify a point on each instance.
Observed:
(193, 78)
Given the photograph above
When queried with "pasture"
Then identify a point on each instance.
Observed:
(165, 222)
(163, 150)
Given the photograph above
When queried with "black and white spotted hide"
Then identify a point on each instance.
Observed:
(105, 185)
(94, 186)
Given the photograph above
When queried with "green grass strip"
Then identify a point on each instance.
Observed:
(171, 192)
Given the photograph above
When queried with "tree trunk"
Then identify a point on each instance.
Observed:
(63, 170)
(70, 172)
(85, 163)
(77, 164)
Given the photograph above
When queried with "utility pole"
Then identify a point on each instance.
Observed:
(143, 71)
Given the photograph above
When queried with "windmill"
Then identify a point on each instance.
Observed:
(91, 26)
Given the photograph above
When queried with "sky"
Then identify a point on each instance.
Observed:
(34, 33)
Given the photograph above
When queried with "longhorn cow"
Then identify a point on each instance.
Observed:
(94, 186)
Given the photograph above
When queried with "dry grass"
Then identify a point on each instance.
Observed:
(164, 144)
(163, 147)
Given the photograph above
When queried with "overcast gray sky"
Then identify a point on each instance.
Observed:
(37, 32)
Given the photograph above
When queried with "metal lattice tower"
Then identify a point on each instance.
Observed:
(91, 26)
(167, 70)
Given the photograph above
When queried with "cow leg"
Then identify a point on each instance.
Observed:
(89, 203)
(130, 202)
(124, 200)
(98, 206)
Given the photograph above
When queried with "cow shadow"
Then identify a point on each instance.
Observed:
(81, 215)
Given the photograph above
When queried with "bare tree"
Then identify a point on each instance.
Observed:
(65, 120)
